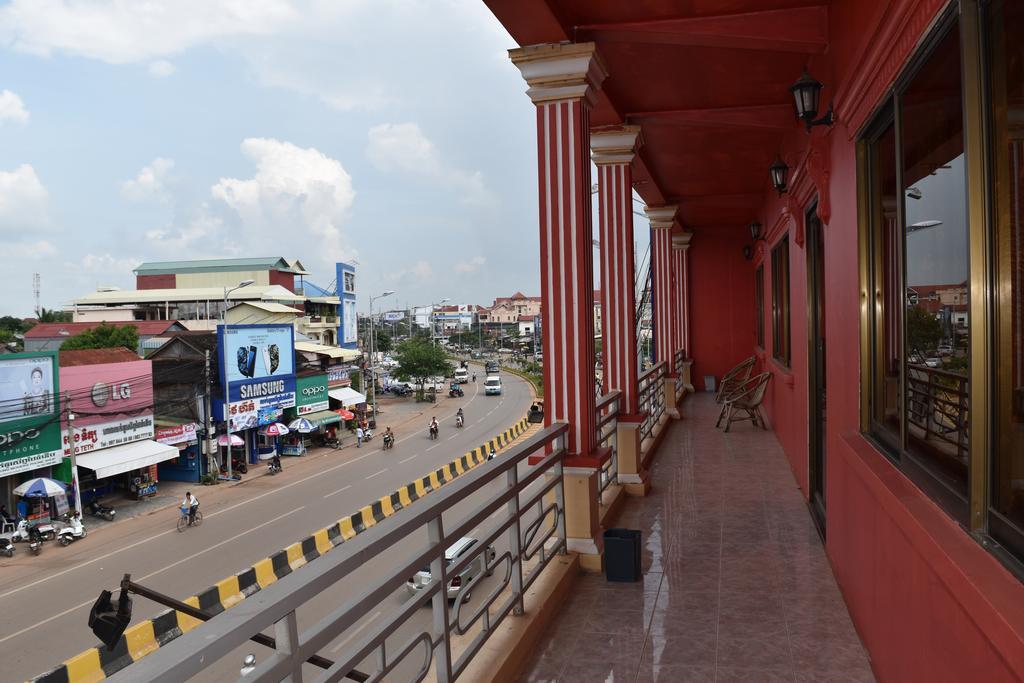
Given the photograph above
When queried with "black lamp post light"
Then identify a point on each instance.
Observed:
(806, 95)
(755, 231)
(779, 171)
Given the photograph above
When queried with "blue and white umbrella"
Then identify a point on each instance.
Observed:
(302, 425)
(40, 487)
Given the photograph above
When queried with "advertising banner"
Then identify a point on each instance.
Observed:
(248, 399)
(255, 352)
(105, 391)
(106, 434)
(177, 434)
(394, 316)
(29, 412)
(311, 394)
(338, 375)
(27, 386)
(348, 318)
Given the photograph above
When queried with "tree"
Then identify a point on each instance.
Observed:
(382, 342)
(418, 360)
(47, 315)
(105, 337)
(924, 330)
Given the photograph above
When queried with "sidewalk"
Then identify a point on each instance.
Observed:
(403, 415)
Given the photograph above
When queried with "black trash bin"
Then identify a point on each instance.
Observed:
(622, 554)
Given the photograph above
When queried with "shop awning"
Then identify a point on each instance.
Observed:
(332, 352)
(348, 397)
(323, 417)
(131, 456)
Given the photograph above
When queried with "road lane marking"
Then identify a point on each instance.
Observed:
(376, 473)
(411, 457)
(147, 576)
(452, 436)
(356, 632)
(433, 447)
(343, 488)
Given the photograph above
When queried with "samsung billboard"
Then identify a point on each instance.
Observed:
(255, 352)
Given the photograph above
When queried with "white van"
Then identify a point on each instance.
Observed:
(462, 375)
(492, 386)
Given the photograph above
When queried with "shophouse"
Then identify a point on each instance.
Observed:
(50, 336)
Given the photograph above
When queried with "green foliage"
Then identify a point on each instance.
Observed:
(105, 337)
(47, 315)
(924, 331)
(357, 381)
(418, 359)
(382, 342)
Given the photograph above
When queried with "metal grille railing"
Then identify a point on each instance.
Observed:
(937, 406)
(680, 382)
(651, 397)
(607, 414)
(516, 506)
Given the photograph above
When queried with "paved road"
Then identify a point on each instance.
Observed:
(46, 598)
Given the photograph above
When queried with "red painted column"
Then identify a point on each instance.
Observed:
(563, 80)
(613, 149)
(662, 218)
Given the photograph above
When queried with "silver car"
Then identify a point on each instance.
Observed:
(469, 574)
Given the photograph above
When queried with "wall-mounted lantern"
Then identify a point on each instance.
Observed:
(779, 171)
(806, 94)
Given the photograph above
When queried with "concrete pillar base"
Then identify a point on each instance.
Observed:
(669, 387)
(632, 475)
(638, 486)
(582, 515)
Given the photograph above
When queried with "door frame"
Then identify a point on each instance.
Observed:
(814, 247)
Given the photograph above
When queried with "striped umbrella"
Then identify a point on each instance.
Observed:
(40, 487)
(345, 414)
(274, 429)
(302, 425)
(222, 440)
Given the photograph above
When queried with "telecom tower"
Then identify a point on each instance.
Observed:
(35, 291)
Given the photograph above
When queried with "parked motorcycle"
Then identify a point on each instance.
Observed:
(73, 531)
(98, 509)
(35, 540)
(367, 434)
(6, 547)
(332, 442)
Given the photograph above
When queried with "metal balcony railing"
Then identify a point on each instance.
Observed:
(678, 359)
(651, 397)
(937, 403)
(607, 414)
(527, 531)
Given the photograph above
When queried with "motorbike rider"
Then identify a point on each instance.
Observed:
(389, 437)
(434, 429)
(192, 503)
(275, 462)
(460, 417)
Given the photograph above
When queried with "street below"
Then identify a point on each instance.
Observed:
(46, 598)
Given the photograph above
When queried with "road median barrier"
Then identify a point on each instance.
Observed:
(146, 637)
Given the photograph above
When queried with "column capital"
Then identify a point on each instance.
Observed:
(560, 71)
(661, 216)
(614, 144)
(682, 241)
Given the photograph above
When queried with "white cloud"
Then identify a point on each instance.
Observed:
(161, 68)
(12, 108)
(151, 181)
(29, 251)
(106, 265)
(296, 193)
(23, 201)
(404, 148)
(471, 266)
(125, 31)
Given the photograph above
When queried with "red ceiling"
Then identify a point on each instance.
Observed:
(707, 79)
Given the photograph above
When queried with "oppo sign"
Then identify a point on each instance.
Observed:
(17, 436)
(311, 394)
(314, 391)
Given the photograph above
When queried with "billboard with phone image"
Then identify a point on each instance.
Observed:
(256, 351)
(26, 387)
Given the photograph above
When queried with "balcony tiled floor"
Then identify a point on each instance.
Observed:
(736, 585)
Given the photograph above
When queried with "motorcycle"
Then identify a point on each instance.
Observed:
(274, 466)
(73, 531)
(6, 547)
(35, 540)
(389, 442)
(367, 434)
(24, 532)
(97, 509)
(433, 432)
(332, 442)
(459, 421)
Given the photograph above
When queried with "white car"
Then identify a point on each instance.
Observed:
(462, 375)
(932, 362)
(492, 386)
(469, 575)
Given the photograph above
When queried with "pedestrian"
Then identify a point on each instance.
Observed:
(359, 436)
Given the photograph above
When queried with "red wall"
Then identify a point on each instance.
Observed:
(927, 600)
(155, 281)
(721, 302)
(286, 280)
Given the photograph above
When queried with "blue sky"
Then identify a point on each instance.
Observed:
(394, 132)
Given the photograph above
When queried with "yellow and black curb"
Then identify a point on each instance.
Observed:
(146, 637)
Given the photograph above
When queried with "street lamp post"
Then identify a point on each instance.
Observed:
(433, 320)
(373, 353)
(224, 374)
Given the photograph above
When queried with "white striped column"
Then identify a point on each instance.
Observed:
(613, 151)
(614, 148)
(681, 264)
(662, 219)
(563, 80)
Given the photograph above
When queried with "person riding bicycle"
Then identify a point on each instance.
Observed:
(192, 503)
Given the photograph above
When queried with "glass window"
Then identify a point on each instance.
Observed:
(1005, 25)
(780, 301)
(759, 304)
(936, 261)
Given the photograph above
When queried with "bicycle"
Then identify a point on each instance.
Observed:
(183, 519)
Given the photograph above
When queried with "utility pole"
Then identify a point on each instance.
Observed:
(211, 439)
(71, 448)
